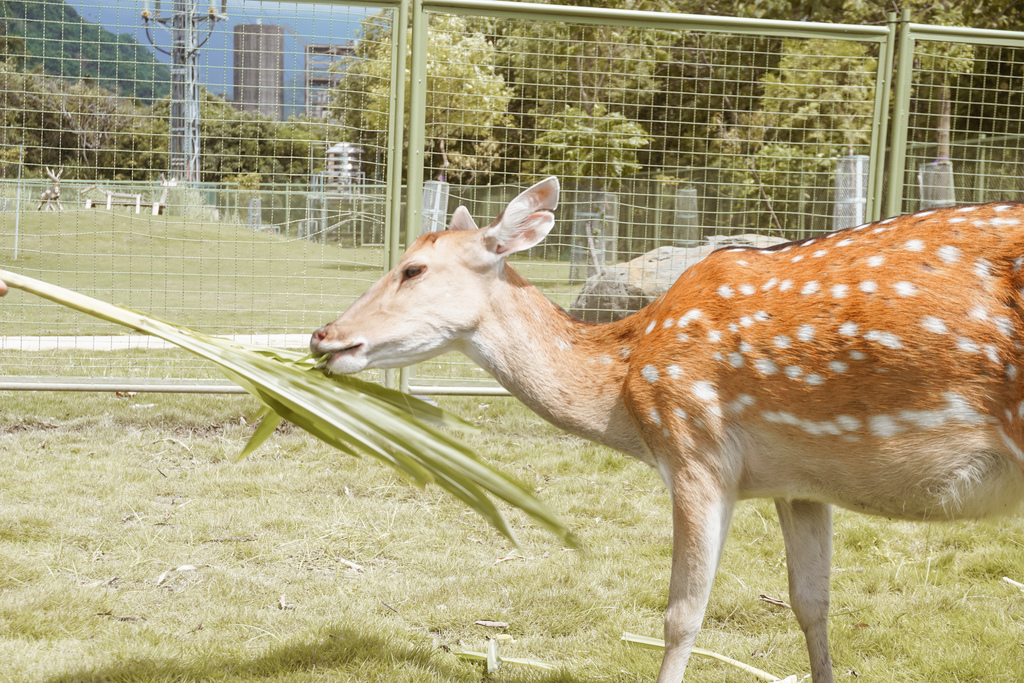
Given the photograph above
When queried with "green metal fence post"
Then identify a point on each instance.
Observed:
(395, 144)
(880, 132)
(417, 134)
(901, 117)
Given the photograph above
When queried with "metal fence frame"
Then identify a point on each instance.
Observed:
(403, 201)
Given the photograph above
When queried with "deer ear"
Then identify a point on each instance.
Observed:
(462, 220)
(525, 221)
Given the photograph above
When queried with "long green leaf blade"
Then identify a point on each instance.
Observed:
(352, 415)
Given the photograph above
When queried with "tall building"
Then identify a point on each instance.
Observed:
(259, 69)
(320, 76)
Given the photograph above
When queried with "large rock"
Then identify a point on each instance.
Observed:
(619, 290)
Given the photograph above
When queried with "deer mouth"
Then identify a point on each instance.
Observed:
(344, 361)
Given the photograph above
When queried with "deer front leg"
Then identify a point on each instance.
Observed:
(700, 522)
(807, 531)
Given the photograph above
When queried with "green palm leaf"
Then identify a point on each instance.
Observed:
(350, 414)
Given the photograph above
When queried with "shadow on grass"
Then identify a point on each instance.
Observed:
(343, 652)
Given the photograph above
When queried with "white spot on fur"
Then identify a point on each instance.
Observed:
(886, 339)
(736, 359)
(810, 288)
(844, 243)
(888, 220)
(949, 254)
(967, 345)
(914, 245)
(746, 321)
(761, 316)
(768, 285)
(734, 328)
(1002, 207)
(650, 373)
(982, 268)
(655, 417)
(965, 209)
(992, 353)
(650, 327)
(933, 324)
(680, 413)
(683, 337)
(797, 258)
(704, 391)
(1005, 222)
(725, 291)
(782, 341)
(766, 366)
(838, 366)
(876, 261)
(785, 285)
(668, 322)
(793, 371)
(747, 289)
(848, 422)
(674, 371)
(714, 336)
(857, 355)
(805, 333)
(819, 253)
(689, 317)
(814, 379)
(839, 291)
(884, 426)
(978, 313)
(1014, 448)
(1005, 325)
(848, 329)
(904, 288)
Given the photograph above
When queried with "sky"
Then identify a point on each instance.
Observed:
(303, 23)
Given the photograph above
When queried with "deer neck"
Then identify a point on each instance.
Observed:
(569, 372)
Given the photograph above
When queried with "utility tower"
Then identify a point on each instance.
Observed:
(189, 31)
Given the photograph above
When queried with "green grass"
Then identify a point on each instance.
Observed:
(100, 496)
(220, 278)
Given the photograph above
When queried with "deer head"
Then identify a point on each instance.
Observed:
(433, 299)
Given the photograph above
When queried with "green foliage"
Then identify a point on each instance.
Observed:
(590, 145)
(466, 98)
(60, 43)
(815, 107)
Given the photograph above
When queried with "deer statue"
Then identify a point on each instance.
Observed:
(880, 368)
(51, 196)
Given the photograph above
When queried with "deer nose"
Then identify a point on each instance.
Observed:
(317, 338)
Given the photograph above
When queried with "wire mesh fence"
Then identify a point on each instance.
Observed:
(245, 175)
(965, 141)
(664, 140)
(276, 232)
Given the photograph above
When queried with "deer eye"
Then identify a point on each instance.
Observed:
(412, 271)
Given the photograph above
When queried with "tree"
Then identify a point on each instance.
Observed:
(466, 97)
(817, 105)
(595, 147)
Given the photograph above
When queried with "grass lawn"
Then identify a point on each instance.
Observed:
(301, 564)
(220, 278)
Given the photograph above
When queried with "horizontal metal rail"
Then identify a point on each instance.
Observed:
(688, 22)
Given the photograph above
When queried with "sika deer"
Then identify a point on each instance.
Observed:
(878, 368)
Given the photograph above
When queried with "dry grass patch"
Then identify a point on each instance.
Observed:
(301, 564)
